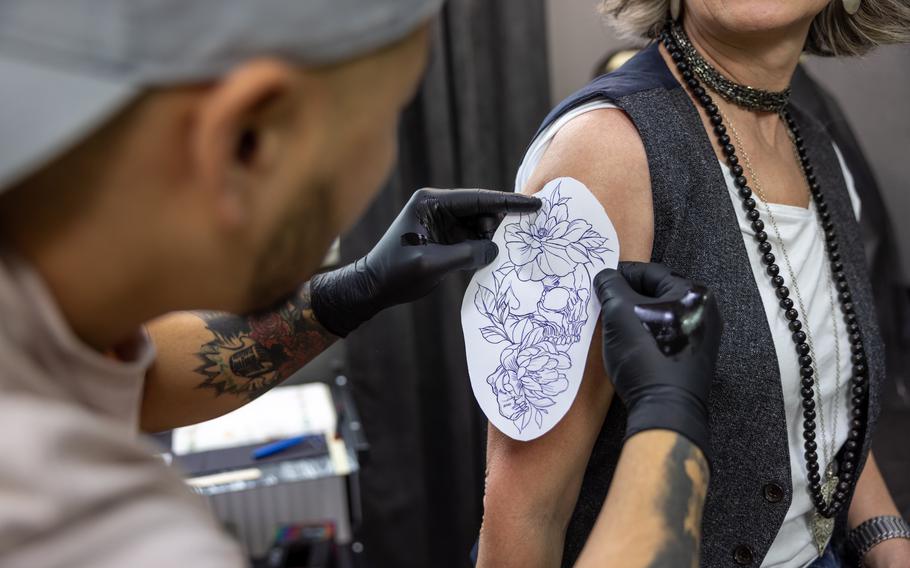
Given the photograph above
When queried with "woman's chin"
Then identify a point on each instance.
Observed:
(759, 16)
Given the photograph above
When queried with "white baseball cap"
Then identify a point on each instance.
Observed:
(67, 66)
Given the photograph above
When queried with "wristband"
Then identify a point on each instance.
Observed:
(874, 531)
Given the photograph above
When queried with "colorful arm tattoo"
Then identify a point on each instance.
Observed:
(248, 355)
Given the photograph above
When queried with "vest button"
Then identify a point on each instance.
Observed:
(774, 493)
(743, 555)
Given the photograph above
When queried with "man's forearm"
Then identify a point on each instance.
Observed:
(210, 363)
(653, 512)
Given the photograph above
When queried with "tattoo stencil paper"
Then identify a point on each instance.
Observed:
(529, 316)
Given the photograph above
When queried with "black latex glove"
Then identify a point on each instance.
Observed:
(661, 335)
(437, 232)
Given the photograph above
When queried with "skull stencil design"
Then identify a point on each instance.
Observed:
(551, 256)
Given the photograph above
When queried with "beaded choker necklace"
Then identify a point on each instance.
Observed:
(742, 95)
(829, 494)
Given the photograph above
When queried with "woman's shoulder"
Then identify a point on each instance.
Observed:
(602, 149)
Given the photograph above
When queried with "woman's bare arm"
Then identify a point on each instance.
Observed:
(532, 487)
(872, 499)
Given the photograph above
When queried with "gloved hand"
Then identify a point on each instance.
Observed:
(661, 336)
(437, 232)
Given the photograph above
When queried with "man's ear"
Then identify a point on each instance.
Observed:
(239, 128)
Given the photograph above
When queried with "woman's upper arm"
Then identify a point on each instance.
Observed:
(603, 150)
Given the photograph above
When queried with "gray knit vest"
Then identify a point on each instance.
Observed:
(696, 233)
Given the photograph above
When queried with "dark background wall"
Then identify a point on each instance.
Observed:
(484, 95)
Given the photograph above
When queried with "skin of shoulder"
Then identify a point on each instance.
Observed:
(603, 150)
(532, 487)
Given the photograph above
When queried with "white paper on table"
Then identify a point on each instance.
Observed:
(280, 413)
(529, 316)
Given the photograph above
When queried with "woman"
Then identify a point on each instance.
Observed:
(703, 164)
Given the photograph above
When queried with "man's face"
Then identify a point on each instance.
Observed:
(357, 149)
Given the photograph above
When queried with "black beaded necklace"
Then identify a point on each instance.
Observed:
(741, 95)
(847, 464)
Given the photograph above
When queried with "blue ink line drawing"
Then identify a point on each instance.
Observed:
(547, 249)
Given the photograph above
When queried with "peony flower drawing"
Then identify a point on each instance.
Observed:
(546, 244)
(546, 249)
(529, 376)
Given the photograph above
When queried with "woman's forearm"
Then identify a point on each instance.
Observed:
(532, 487)
(519, 532)
(872, 499)
(528, 501)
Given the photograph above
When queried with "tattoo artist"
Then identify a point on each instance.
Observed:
(154, 162)
(165, 158)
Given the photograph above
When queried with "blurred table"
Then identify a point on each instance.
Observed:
(311, 484)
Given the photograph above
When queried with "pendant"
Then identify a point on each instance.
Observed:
(823, 527)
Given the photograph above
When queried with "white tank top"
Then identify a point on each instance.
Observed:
(801, 236)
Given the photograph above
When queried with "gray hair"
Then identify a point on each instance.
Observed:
(834, 32)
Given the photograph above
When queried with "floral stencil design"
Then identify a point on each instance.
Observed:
(547, 244)
(549, 251)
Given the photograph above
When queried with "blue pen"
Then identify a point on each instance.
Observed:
(278, 447)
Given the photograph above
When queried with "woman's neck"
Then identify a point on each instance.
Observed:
(762, 60)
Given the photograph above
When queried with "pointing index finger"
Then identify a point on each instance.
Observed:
(520, 203)
(471, 202)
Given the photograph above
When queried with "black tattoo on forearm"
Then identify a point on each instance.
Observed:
(249, 355)
(681, 505)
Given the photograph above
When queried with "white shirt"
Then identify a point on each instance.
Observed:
(78, 487)
(804, 243)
